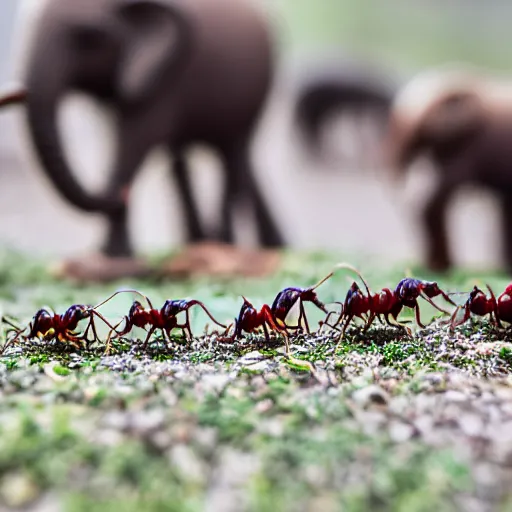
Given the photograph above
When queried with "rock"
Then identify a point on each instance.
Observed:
(471, 424)
(18, 490)
(455, 396)
(206, 438)
(264, 406)
(400, 432)
(188, 464)
(370, 395)
(315, 475)
(147, 422)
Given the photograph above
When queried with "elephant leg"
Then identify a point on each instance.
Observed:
(434, 220)
(194, 228)
(228, 201)
(506, 208)
(243, 185)
(130, 155)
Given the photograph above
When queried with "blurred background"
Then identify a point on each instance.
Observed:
(331, 203)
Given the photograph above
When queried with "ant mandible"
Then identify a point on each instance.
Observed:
(163, 319)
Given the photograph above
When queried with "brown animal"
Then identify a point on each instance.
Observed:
(176, 73)
(341, 87)
(463, 120)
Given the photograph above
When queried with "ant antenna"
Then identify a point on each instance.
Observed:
(322, 281)
(125, 291)
(348, 266)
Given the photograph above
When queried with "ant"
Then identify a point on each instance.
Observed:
(366, 307)
(164, 318)
(386, 303)
(48, 325)
(479, 304)
(250, 319)
(286, 299)
(409, 290)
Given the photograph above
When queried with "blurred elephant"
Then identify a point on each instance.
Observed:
(341, 86)
(462, 118)
(176, 73)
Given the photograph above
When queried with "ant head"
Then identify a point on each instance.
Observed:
(247, 304)
(475, 292)
(354, 286)
(309, 294)
(430, 288)
(43, 313)
(80, 311)
(136, 308)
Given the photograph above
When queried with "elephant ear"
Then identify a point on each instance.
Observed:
(158, 42)
(455, 116)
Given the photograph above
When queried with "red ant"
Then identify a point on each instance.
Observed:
(387, 303)
(250, 319)
(287, 298)
(164, 318)
(49, 325)
(479, 304)
(409, 290)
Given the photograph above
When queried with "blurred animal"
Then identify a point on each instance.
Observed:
(463, 120)
(176, 73)
(343, 88)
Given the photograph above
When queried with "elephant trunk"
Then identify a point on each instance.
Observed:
(42, 103)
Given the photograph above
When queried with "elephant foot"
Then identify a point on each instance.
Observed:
(221, 260)
(439, 264)
(117, 243)
(99, 268)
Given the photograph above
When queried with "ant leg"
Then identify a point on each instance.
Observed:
(397, 324)
(187, 325)
(76, 341)
(369, 322)
(303, 315)
(495, 308)
(465, 318)
(343, 330)
(286, 343)
(106, 322)
(205, 309)
(432, 303)
(150, 332)
(447, 298)
(417, 316)
(265, 331)
(109, 337)
(269, 317)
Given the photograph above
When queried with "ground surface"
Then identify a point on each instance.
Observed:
(387, 422)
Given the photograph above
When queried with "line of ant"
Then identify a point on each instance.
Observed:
(384, 306)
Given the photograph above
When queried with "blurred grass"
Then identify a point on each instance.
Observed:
(401, 34)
